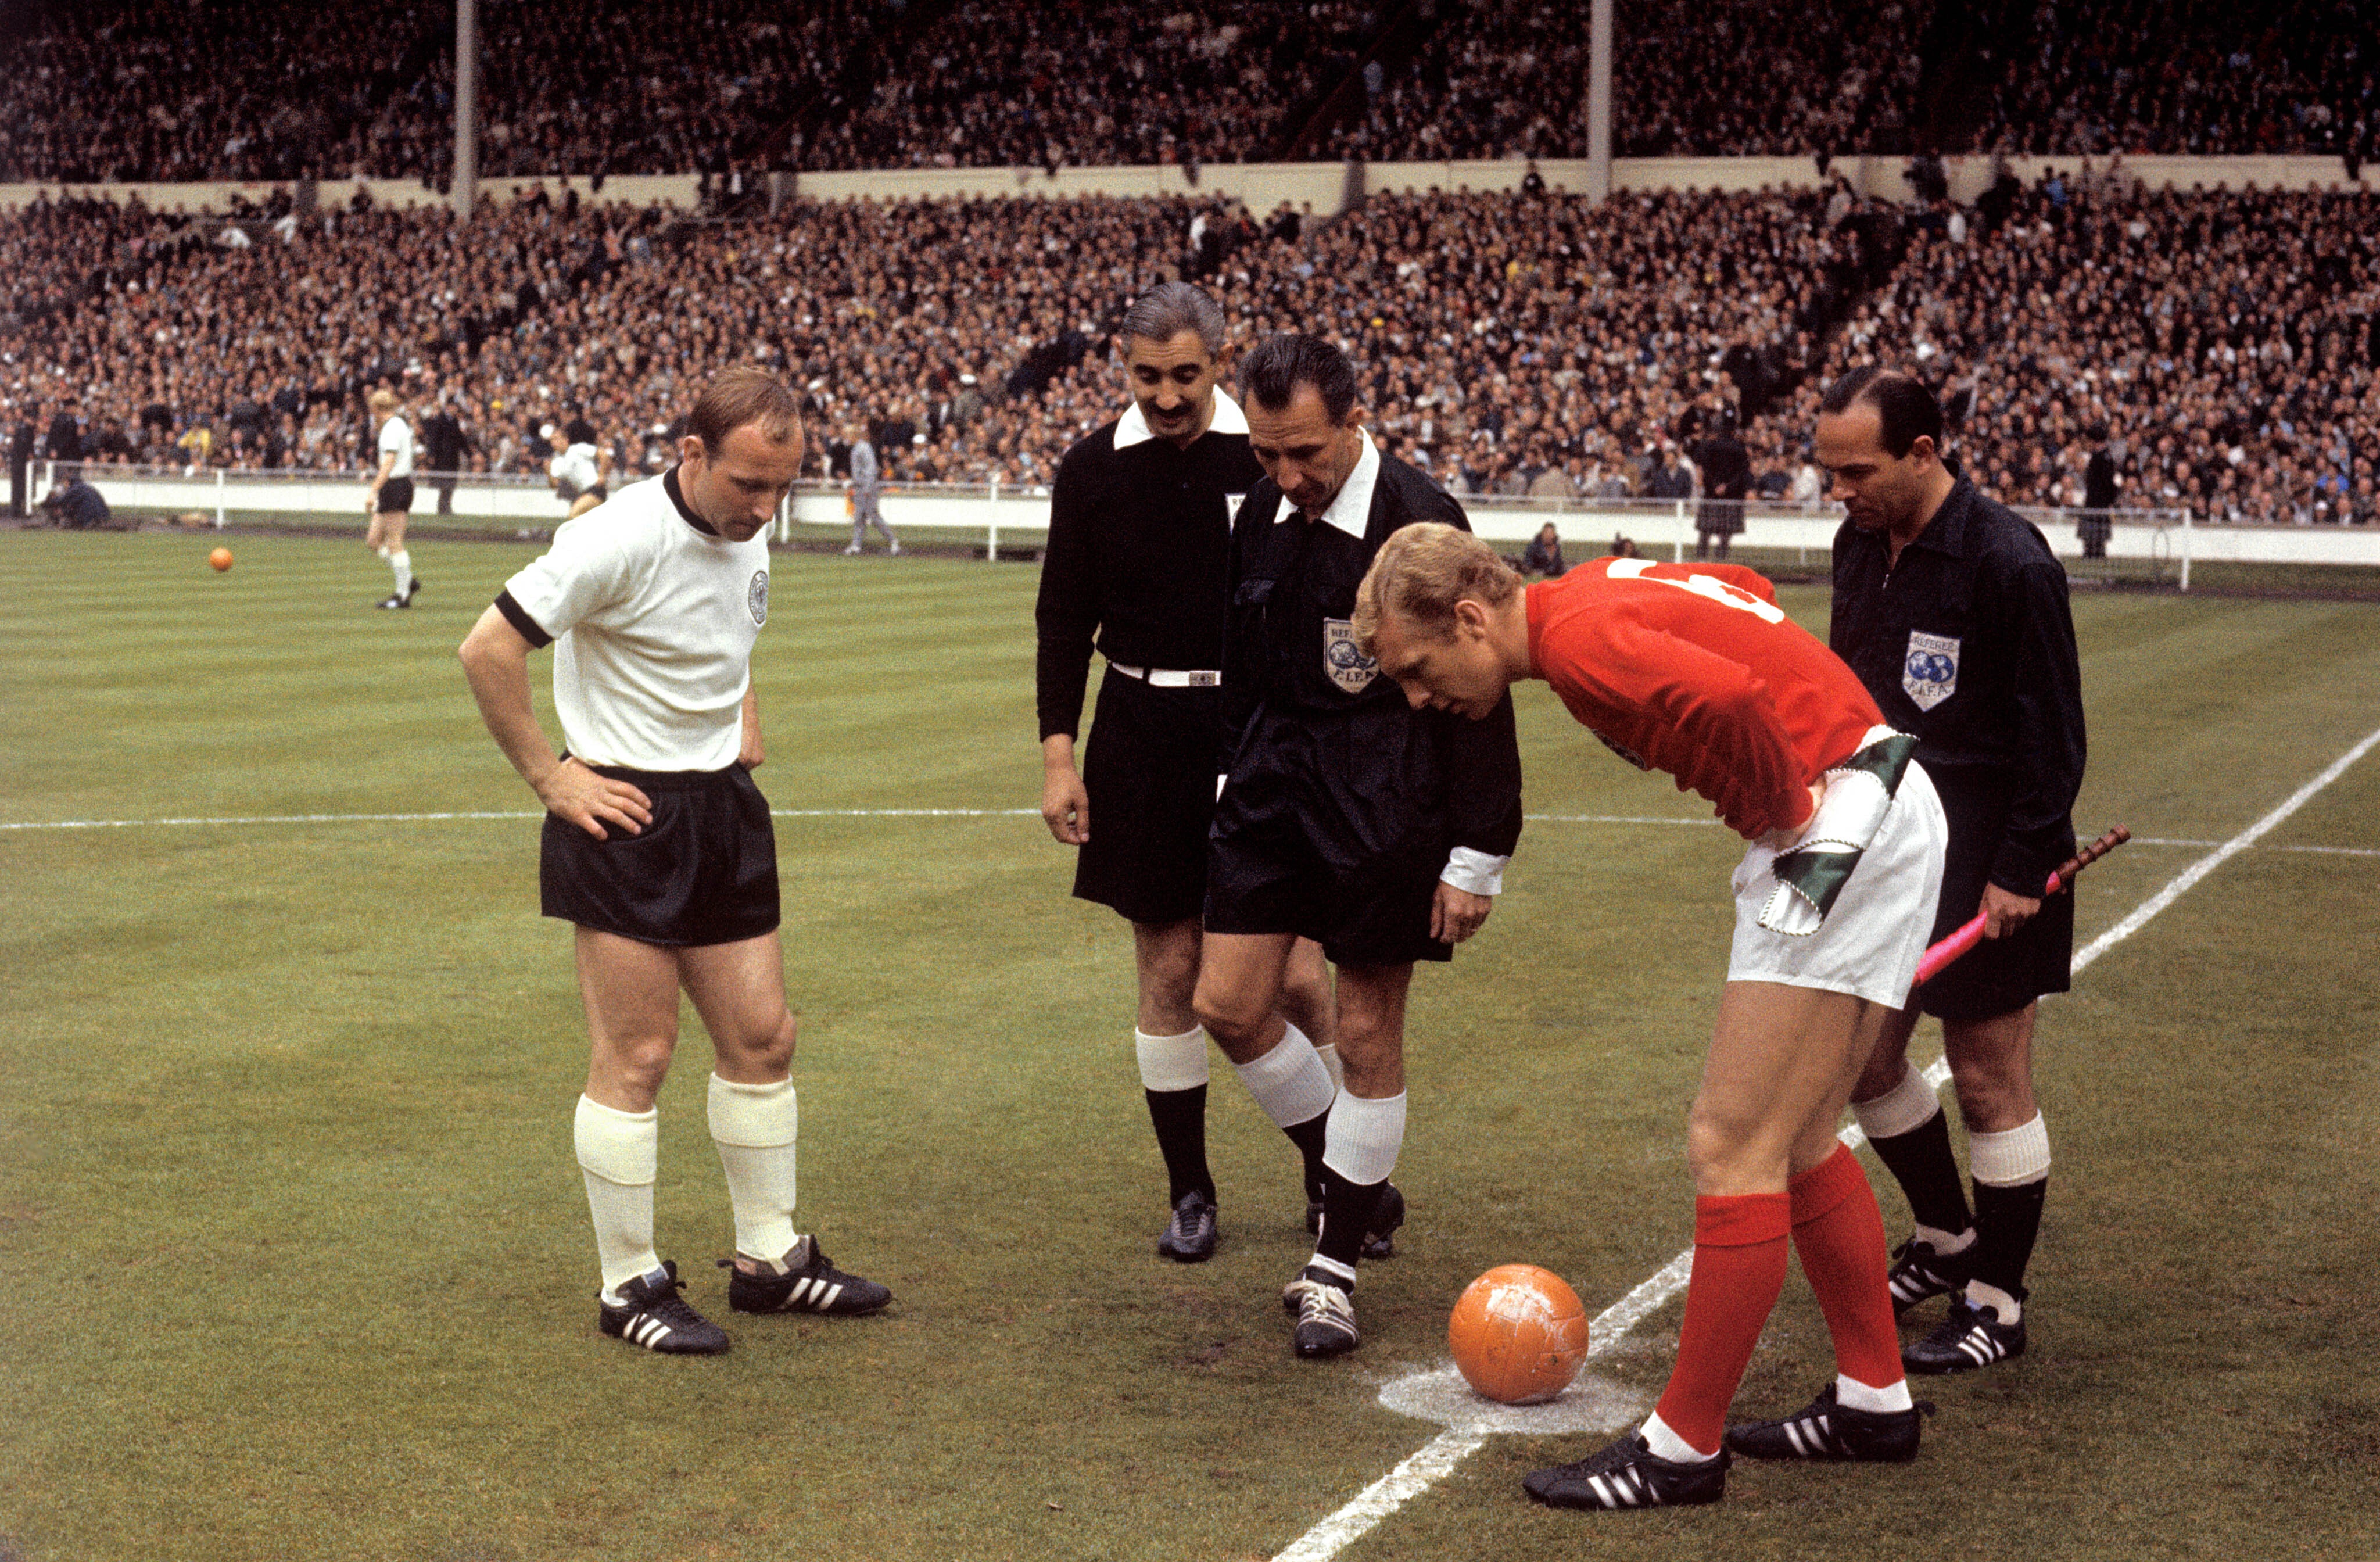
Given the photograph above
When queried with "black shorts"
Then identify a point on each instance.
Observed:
(703, 872)
(1329, 830)
(395, 494)
(1150, 768)
(1999, 975)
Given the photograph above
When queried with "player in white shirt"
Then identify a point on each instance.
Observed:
(582, 472)
(658, 847)
(392, 496)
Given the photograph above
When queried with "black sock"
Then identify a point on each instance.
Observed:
(1347, 1209)
(1307, 1137)
(1180, 1119)
(2007, 1221)
(1920, 1162)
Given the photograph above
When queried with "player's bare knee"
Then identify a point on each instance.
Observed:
(768, 1053)
(1731, 1153)
(1230, 1020)
(627, 1072)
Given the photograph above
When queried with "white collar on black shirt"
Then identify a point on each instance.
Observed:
(1132, 429)
(1350, 511)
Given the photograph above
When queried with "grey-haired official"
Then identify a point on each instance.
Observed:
(1140, 527)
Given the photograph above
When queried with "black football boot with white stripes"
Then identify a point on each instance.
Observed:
(804, 1280)
(1834, 1433)
(652, 1315)
(1325, 1315)
(1919, 1274)
(1969, 1337)
(1629, 1474)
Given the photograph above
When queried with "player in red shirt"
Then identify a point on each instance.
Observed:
(1694, 670)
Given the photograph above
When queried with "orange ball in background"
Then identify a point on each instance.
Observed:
(220, 558)
(1518, 1333)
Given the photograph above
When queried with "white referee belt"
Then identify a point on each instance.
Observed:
(1171, 678)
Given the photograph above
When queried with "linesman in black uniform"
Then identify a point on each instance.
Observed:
(1953, 612)
(1140, 526)
(1346, 817)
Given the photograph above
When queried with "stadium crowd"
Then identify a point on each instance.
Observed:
(137, 90)
(1506, 78)
(2224, 345)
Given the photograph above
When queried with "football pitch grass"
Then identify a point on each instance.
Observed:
(301, 1259)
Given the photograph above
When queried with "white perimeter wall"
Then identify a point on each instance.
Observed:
(1022, 519)
(1327, 187)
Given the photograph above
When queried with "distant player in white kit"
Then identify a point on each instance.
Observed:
(658, 847)
(392, 495)
(582, 473)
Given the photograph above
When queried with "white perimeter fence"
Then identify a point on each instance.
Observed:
(2162, 544)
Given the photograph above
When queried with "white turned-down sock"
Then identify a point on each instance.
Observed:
(755, 1128)
(619, 1156)
(1170, 1063)
(2012, 1158)
(1902, 1109)
(1290, 1081)
(401, 564)
(1361, 1140)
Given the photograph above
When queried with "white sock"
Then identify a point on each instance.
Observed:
(1999, 1302)
(619, 1153)
(1290, 1081)
(1668, 1444)
(1361, 1140)
(1902, 1109)
(755, 1128)
(1853, 1395)
(1328, 1053)
(401, 563)
(1171, 1063)
(2012, 1158)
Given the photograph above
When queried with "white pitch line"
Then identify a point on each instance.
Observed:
(2216, 858)
(1438, 1456)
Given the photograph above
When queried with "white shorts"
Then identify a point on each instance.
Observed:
(1870, 942)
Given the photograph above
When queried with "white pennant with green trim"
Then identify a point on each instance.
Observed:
(1812, 872)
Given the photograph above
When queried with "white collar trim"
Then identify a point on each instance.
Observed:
(1350, 511)
(1132, 429)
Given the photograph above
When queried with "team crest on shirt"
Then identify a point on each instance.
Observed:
(759, 596)
(1348, 666)
(1929, 674)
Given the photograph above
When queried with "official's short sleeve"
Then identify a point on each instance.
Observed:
(580, 574)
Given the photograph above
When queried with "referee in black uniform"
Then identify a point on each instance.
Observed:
(1347, 816)
(1953, 612)
(1140, 525)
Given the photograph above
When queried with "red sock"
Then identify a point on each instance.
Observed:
(1740, 1244)
(1840, 1234)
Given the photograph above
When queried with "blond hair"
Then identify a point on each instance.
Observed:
(1421, 572)
(382, 401)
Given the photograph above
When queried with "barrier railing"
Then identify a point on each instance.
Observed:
(2155, 544)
